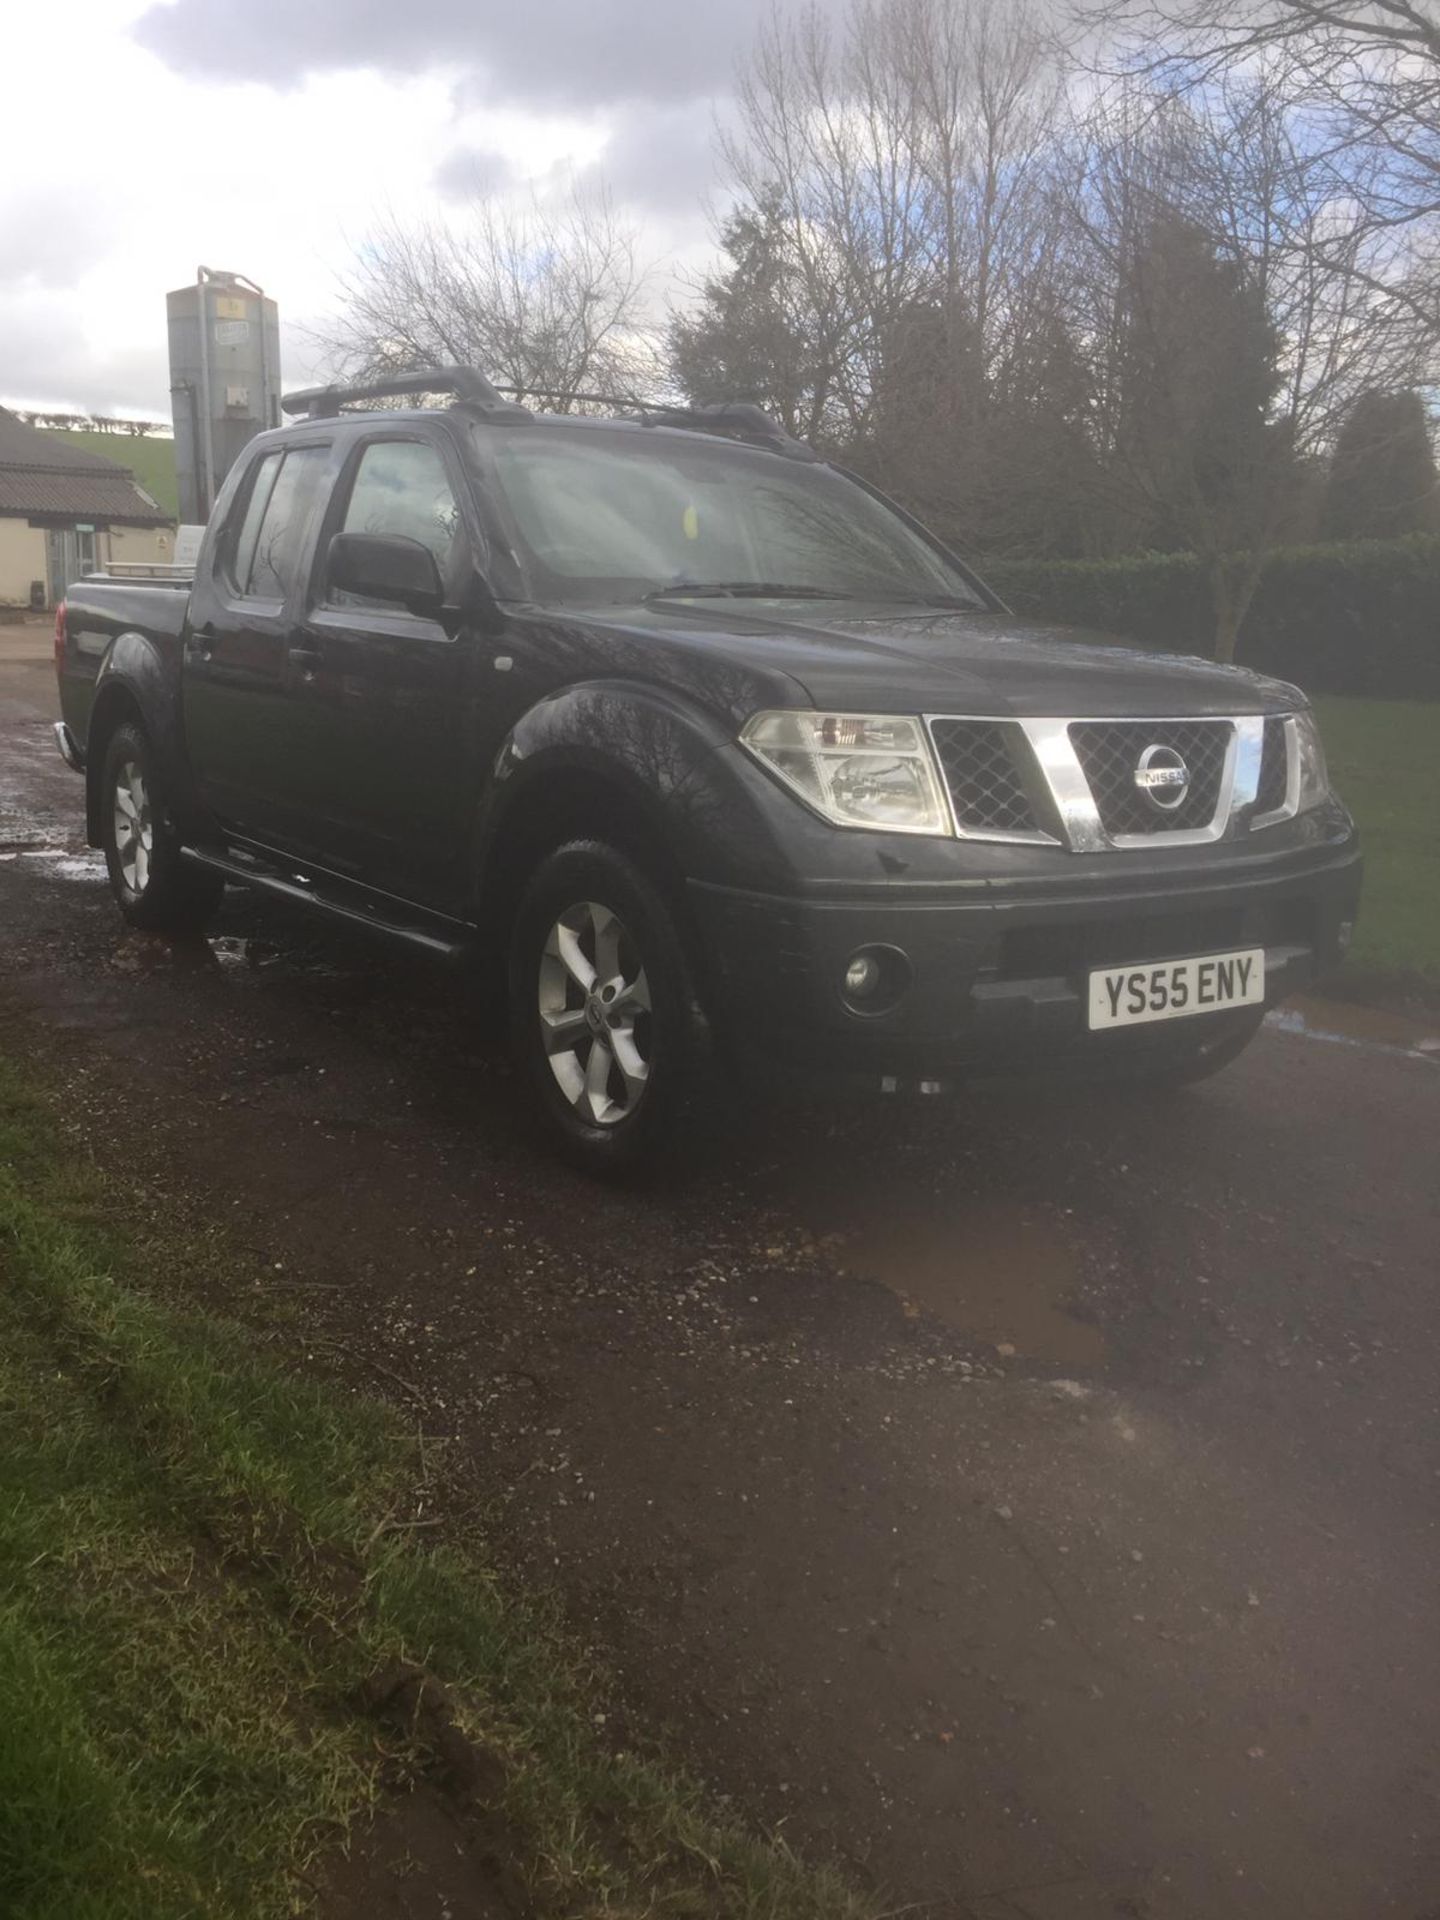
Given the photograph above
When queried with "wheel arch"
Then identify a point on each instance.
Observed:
(139, 681)
(560, 797)
(116, 703)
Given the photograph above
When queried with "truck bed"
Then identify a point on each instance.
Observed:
(104, 608)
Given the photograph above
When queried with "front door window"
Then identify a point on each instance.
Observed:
(401, 489)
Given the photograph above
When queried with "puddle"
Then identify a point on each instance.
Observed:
(1344, 1025)
(70, 866)
(64, 865)
(30, 838)
(154, 952)
(305, 958)
(231, 950)
(994, 1274)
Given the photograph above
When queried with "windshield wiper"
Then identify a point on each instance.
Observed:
(744, 590)
(943, 602)
(783, 590)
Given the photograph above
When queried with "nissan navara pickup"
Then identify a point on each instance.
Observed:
(711, 746)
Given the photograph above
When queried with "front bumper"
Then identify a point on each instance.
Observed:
(999, 983)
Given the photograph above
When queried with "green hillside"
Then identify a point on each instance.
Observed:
(150, 458)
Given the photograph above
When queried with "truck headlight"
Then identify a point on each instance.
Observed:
(1314, 777)
(855, 769)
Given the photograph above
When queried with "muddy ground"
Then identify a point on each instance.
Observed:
(1030, 1503)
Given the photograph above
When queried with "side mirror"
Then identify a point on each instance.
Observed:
(383, 566)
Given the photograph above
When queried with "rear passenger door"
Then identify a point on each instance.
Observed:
(384, 698)
(242, 610)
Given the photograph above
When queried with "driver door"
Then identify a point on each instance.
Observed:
(386, 698)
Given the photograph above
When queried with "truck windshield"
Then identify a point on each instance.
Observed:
(622, 516)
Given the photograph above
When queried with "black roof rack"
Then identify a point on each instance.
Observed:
(736, 419)
(469, 388)
(573, 393)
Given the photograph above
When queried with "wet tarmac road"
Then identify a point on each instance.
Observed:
(1030, 1502)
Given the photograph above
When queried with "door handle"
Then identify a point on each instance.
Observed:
(307, 659)
(202, 644)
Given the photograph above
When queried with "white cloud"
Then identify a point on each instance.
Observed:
(138, 170)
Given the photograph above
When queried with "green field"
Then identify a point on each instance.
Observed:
(223, 1642)
(150, 458)
(1385, 760)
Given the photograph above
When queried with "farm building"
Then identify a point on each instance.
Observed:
(65, 511)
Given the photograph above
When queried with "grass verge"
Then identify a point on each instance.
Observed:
(221, 1642)
(1385, 760)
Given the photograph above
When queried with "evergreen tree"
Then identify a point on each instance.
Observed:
(750, 337)
(1383, 479)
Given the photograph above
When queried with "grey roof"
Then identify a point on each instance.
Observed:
(42, 478)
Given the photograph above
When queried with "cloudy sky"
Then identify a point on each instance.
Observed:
(263, 136)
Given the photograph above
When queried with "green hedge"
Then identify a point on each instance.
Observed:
(1361, 618)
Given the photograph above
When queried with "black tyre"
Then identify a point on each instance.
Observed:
(153, 887)
(601, 1007)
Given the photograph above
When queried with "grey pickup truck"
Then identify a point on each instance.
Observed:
(708, 746)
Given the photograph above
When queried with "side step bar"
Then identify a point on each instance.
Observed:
(241, 874)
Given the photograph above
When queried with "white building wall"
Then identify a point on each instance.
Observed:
(23, 556)
(22, 559)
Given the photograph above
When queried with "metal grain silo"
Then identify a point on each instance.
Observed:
(224, 379)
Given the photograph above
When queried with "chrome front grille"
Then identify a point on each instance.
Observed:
(987, 794)
(1109, 751)
(1081, 783)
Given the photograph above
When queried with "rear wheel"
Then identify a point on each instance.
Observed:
(601, 1006)
(153, 888)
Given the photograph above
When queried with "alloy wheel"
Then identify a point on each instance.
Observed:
(134, 831)
(595, 1016)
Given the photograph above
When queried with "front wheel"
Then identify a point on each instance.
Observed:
(601, 1006)
(153, 888)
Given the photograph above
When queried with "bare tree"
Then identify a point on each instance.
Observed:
(549, 296)
(821, 146)
(1365, 74)
(1056, 317)
(1226, 343)
(898, 160)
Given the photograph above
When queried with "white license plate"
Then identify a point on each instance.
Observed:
(1175, 989)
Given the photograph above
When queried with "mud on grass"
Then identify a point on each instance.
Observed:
(226, 1652)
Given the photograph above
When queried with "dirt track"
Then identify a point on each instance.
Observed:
(1030, 1502)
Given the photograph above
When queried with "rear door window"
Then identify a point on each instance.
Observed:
(280, 541)
(241, 556)
(261, 553)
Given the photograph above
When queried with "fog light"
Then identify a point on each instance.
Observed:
(875, 979)
(862, 977)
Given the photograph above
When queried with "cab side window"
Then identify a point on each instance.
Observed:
(241, 555)
(401, 489)
(270, 541)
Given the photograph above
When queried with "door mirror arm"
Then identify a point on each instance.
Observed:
(479, 608)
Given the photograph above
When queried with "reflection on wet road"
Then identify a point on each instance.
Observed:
(1337, 1022)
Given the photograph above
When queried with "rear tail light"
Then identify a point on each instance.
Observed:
(60, 635)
